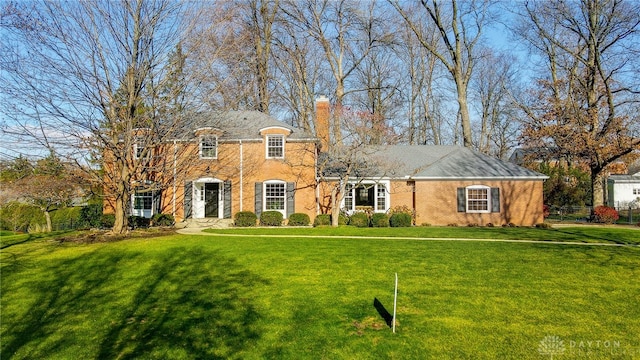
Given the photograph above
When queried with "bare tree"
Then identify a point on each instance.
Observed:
(585, 108)
(459, 28)
(497, 132)
(89, 80)
(346, 31)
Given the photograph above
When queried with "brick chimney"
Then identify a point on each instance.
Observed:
(323, 113)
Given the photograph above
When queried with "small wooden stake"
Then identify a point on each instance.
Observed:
(395, 301)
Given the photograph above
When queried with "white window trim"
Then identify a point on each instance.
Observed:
(215, 139)
(376, 185)
(135, 150)
(266, 148)
(283, 211)
(478, 187)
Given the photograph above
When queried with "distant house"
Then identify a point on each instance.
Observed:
(249, 161)
(624, 190)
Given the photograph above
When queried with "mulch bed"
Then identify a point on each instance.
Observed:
(101, 236)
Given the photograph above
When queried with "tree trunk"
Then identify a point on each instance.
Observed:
(461, 86)
(335, 210)
(47, 217)
(597, 187)
(120, 226)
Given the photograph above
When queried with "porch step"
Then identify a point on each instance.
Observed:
(207, 223)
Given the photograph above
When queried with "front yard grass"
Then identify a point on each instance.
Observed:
(184, 297)
(585, 234)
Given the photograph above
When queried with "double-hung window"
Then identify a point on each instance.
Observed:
(478, 199)
(143, 200)
(275, 146)
(138, 148)
(636, 191)
(209, 147)
(275, 196)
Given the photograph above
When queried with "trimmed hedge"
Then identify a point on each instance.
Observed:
(299, 219)
(139, 222)
(400, 220)
(379, 220)
(162, 220)
(245, 219)
(359, 219)
(325, 220)
(322, 220)
(271, 218)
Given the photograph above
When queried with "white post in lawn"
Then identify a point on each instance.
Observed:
(395, 301)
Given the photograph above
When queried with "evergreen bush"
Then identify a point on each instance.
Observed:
(245, 219)
(271, 218)
(299, 219)
(400, 219)
(91, 216)
(379, 220)
(359, 219)
(139, 222)
(107, 221)
(322, 220)
(162, 220)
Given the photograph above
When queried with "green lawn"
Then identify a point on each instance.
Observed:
(584, 234)
(187, 297)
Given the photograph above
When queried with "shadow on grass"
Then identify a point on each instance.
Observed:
(181, 303)
(600, 235)
(386, 316)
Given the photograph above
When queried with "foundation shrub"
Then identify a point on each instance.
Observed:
(271, 218)
(162, 220)
(139, 222)
(359, 219)
(400, 219)
(379, 220)
(245, 219)
(299, 219)
(322, 220)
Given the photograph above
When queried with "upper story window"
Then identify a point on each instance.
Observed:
(636, 191)
(275, 146)
(138, 148)
(209, 147)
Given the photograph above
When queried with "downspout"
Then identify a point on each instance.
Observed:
(241, 174)
(173, 196)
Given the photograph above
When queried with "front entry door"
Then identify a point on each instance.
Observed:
(211, 199)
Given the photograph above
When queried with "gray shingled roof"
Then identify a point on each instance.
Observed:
(443, 162)
(632, 179)
(245, 125)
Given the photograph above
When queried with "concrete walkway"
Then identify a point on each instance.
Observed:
(199, 231)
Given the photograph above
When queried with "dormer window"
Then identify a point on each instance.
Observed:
(275, 146)
(209, 147)
(138, 148)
